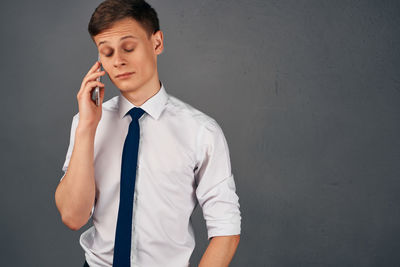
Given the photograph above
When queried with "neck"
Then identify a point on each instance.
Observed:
(143, 93)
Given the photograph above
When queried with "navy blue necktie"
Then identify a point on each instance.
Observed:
(123, 233)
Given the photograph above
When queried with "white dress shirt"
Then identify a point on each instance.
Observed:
(183, 160)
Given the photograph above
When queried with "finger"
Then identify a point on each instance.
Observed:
(91, 85)
(101, 95)
(92, 70)
(94, 67)
(88, 89)
(85, 84)
(93, 76)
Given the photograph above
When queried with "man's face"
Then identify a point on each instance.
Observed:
(125, 48)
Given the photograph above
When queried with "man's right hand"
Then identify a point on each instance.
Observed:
(89, 113)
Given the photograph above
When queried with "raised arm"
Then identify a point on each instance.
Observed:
(75, 194)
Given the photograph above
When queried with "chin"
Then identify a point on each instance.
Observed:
(127, 87)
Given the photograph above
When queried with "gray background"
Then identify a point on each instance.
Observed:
(307, 93)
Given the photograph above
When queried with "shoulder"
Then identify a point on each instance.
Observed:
(186, 112)
(205, 129)
(111, 105)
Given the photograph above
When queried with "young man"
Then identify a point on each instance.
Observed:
(140, 162)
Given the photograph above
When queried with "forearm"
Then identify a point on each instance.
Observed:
(220, 251)
(75, 194)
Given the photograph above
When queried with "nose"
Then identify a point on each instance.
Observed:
(118, 59)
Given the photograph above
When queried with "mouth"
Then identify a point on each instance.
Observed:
(124, 75)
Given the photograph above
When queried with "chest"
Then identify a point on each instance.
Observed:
(166, 154)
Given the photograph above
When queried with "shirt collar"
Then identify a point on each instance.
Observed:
(153, 106)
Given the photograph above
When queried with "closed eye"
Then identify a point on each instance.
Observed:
(127, 50)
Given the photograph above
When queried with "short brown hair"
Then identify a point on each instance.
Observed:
(110, 11)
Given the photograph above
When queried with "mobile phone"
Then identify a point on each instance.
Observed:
(97, 89)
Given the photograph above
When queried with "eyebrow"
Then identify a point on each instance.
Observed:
(122, 38)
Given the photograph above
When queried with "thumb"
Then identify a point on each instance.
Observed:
(102, 93)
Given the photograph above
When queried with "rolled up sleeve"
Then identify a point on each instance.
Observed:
(74, 124)
(216, 191)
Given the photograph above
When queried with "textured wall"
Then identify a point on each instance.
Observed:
(307, 93)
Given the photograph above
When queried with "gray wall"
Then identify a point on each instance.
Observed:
(307, 93)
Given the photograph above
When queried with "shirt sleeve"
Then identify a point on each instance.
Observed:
(74, 125)
(75, 121)
(216, 191)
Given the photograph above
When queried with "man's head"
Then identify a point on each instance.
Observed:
(127, 35)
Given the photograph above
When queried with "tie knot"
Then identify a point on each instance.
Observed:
(136, 113)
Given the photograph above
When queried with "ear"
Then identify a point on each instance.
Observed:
(158, 43)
